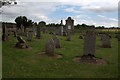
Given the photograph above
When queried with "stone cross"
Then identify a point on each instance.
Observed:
(50, 47)
(89, 43)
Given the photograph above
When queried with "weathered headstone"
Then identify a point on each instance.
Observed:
(38, 36)
(80, 37)
(68, 36)
(106, 41)
(15, 34)
(51, 33)
(5, 33)
(61, 28)
(57, 41)
(89, 44)
(30, 35)
(22, 30)
(50, 47)
(21, 43)
(64, 33)
(119, 37)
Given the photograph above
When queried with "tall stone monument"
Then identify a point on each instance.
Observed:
(70, 25)
(61, 28)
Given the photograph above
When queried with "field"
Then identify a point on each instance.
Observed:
(18, 63)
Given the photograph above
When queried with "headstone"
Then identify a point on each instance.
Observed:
(50, 47)
(64, 33)
(118, 37)
(21, 43)
(89, 44)
(61, 28)
(22, 29)
(38, 36)
(106, 41)
(70, 25)
(51, 33)
(8, 33)
(5, 33)
(80, 37)
(15, 34)
(30, 35)
(57, 41)
(68, 36)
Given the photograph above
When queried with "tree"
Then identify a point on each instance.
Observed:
(7, 2)
(23, 20)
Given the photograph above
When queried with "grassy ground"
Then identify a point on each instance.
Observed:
(19, 63)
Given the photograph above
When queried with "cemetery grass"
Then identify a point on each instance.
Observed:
(27, 63)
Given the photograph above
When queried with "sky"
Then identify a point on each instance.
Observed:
(90, 12)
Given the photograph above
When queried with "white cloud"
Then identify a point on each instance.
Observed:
(41, 10)
(72, 9)
(101, 16)
(36, 12)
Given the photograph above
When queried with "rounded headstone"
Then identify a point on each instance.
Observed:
(50, 47)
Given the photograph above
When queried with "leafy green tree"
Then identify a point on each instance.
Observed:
(23, 20)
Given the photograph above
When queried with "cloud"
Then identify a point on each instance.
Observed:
(100, 9)
(101, 16)
(39, 10)
(34, 11)
(72, 9)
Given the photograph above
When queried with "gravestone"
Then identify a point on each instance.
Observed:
(19, 31)
(8, 33)
(106, 41)
(5, 33)
(30, 35)
(80, 37)
(118, 37)
(89, 44)
(15, 34)
(38, 36)
(56, 41)
(50, 47)
(68, 36)
(64, 33)
(70, 25)
(61, 28)
(51, 33)
(21, 43)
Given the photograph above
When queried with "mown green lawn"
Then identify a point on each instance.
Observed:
(19, 63)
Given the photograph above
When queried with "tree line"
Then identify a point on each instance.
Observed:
(23, 20)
